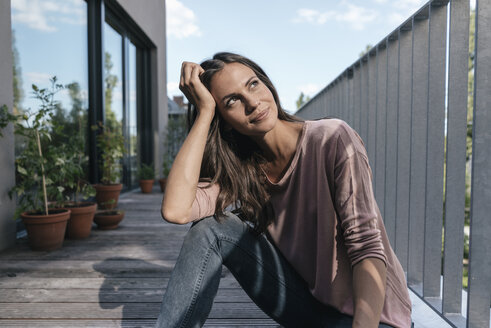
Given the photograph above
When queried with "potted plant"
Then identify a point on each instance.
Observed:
(111, 146)
(108, 219)
(76, 191)
(36, 172)
(146, 173)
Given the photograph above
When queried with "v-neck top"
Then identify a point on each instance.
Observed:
(327, 219)
(294, 160)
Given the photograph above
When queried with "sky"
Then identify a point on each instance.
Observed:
(302, 46)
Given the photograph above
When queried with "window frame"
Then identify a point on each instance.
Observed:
(100, 12)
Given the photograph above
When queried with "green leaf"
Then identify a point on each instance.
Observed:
(21, 170)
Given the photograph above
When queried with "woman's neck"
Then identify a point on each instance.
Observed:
(279, 146)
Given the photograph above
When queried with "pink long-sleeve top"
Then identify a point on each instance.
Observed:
(327, 219)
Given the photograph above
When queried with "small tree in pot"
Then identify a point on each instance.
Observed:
(111, 147)
(146, 173)
(76, 188)
(37, 168)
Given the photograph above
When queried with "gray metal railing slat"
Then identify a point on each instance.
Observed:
(403, 147)
(364, 102)
(350, 99)
(434, 154)
(336, 99)
(339, 94)
(372, 113)
(391, 140)
(325, 104)
(419, 114)
(357, 97)
(456, 156)
(479, 295)
(381, 129)
(344, 103)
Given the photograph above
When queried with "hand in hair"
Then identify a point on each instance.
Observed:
(194, 89)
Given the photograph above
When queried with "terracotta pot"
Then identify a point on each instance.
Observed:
(146, 186)
(46, 232)
(108, 219)
(163, 183)
(106, 193)
(80, 223)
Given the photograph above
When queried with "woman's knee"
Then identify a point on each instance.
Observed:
(212, 229)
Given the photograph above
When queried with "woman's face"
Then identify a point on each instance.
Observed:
(243, 100)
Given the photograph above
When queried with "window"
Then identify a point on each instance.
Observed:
(55, 38)
(50, 39)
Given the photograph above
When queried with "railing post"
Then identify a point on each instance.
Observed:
(363, 131)
(458, 71)
(419, 112)
(392, 135)
(372, 110)
(357, 96)
(434, 152)
(351, 95)
(479, 295)
(381, 127)
(404, 144)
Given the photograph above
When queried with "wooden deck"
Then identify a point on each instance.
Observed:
(111, 279)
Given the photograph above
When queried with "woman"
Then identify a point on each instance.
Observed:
(286, 205)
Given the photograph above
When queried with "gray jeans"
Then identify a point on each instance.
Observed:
(259, 267)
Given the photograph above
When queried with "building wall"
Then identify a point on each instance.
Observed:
(151, 19)
(7, 168)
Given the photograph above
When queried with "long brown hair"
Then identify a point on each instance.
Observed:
(233, 160)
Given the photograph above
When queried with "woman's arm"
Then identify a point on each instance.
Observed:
(368, 292)
(183, 177)
(359, 216)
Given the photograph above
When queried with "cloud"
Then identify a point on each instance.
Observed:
(408, 5)
(396, 18)
(44, 15)
(313, 16)
(355, 16)
(173, 88)
(38, 78)
(181, 21)
(309, 89)
(402, 10)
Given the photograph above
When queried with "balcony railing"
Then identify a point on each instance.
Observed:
(408, 99)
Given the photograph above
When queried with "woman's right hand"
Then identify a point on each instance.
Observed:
(194, 90)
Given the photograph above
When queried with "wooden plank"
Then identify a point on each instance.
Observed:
(116, 311)
(145, 323)
(96, 283)
(155, 252)
(111, 267)
(135, 295)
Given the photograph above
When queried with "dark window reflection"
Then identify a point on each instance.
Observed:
(113, 78)
(132, 116)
